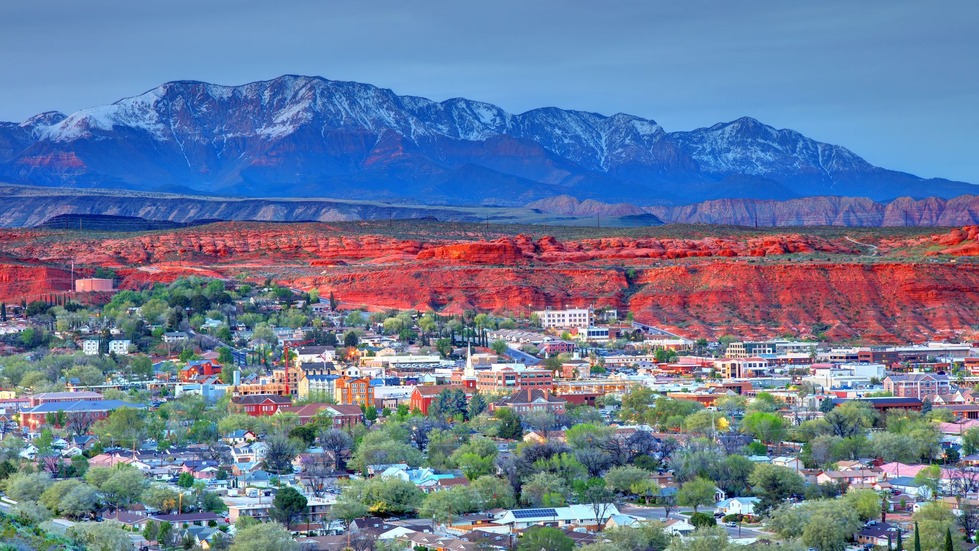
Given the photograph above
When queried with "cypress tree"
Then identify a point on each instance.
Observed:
(917, 538)
(948, 540)
(3, 311)
(900, 544)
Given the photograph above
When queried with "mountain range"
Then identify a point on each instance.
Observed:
(298, 136)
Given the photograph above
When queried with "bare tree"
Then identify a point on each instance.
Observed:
(667, 502)
(338, 444)
(317, 470)
(969, 520)
(79, 423)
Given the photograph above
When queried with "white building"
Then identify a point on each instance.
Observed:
(737, 506)
(562, 319)
(315, 354)
(120, 347)
(572, 515)
(90, 347)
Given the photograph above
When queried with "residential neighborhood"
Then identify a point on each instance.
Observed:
(232, 414)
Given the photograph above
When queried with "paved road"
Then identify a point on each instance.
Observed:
(522, 356)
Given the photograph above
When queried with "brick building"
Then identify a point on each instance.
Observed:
(532, 399)
(423, 396)
(917, 385)
(92, 410)
(511, 377)
(260, 405)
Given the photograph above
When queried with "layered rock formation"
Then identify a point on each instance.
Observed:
(862, 287)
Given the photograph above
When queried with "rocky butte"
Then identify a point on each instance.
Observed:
(862, 285)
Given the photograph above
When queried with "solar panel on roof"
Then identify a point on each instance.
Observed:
(534, 513)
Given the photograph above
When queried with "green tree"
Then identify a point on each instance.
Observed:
(101, 536)
(932, 521)
(185, 480)
(27, 486)
(696, 493)
(160, 498)
(350, 339)
(79, 502)
(151, 530)
(970, 441)
(866, 503)
(767, 427)
(124, 487)
(537, 538)
(476, 457)
(929, 477)
(774, 484)
(288, 506)
(477, 405)
(124, 426)
(263, 537)
(499, 347)
(510, 427)
(383, 496)
(622, 479)
(544, 489)
(448, 404)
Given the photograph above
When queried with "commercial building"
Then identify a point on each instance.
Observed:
(353, 390)
(564, 319)
(511, 377)
(917, 385)
(93, 285)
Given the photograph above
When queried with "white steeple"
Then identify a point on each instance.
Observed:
(470, 372)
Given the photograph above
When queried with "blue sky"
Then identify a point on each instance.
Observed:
(896, 81)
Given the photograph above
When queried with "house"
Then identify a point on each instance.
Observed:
(678, 527)
(425, 478)
(261, 405)
(878, 534)
(907, 485)
(621, 521)
(737, 506)
(172, 337)
(532, 399)
(572, 515)
(856, 476)
(343, 416)
(315, 354)
(793, 463)
(199, 368)
(240, 437)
